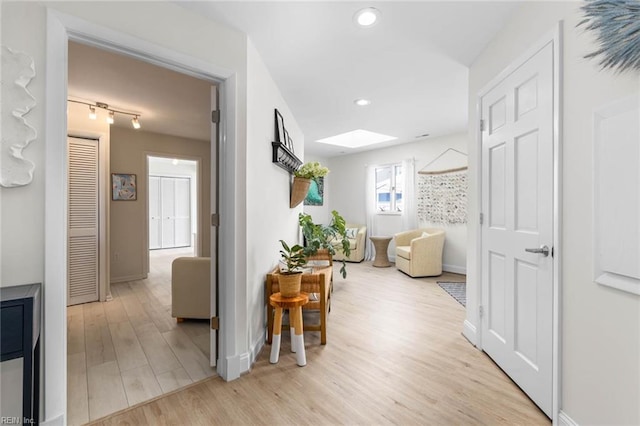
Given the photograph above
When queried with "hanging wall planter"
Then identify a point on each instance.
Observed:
(299, 190)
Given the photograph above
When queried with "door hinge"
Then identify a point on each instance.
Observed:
(482, 126)
(481, 218)
(215, 116)
(214, 323)
(215, 219)
(480, 311)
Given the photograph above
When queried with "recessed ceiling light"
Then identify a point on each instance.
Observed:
(367, 17)
(362, 102)
(357, 139)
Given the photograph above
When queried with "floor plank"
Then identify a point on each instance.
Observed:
(172, 380)
(158, 352)
(78, 403)
(140, 384)
(193, 361)
(106, 390)
(128, 349)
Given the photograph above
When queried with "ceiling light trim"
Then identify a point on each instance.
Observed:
(367, 17)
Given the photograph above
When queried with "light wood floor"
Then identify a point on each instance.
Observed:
(394, 355)
(129, 350)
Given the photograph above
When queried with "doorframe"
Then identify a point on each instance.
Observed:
(197, 250)
(60, 28)
(554, 37)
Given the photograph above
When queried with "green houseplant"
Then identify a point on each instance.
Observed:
(302, 180)
(318, 237)
(294, 258)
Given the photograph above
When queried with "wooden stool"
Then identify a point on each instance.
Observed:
(294, 305)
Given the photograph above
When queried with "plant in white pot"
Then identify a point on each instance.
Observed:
(291, 278)
(302, 180)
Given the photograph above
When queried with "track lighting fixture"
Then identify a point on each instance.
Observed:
(112, 112)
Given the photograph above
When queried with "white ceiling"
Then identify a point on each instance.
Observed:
(412, 65)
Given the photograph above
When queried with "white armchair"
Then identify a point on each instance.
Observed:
(191, 288)
(419, 252)
(357, 243)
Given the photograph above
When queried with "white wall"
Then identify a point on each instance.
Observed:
(129, 150)
(269, 218)
(347, 192)
(600, 380)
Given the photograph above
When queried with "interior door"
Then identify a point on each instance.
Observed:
(168, 203)
(182, 210)
(83, 227)
(215, 150)
(155, 213)
(517, 233)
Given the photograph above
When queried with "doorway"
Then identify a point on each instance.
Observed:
(173, 203)
(130, 349)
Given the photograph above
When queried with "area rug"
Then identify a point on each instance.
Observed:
(456, 290)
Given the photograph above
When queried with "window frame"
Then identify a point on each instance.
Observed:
(393, 211)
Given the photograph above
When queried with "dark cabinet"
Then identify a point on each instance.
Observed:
(20, 338)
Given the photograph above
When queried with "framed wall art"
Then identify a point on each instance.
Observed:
(123, 187)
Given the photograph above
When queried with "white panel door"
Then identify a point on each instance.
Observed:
(155, 213)
(169, 212)
(182, 209)
(517, 202)
(168, 202)
(83, 227)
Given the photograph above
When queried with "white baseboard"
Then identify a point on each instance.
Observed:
(565, 420)
(455, 269)
(469, 331)
(257, 346)
(128, 278)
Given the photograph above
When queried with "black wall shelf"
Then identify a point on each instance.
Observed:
(284, 158)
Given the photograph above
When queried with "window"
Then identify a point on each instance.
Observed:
(389, 189)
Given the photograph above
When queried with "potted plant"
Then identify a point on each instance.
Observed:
(302, 180)
(325, 237)
(289, 280)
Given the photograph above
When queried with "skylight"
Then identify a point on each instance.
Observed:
(357, 139)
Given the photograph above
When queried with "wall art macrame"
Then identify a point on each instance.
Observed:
(442, 198)
(616, 24)
(18, 70)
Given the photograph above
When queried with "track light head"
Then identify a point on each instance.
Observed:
(135, 123)
(92, 112)
(111, 117)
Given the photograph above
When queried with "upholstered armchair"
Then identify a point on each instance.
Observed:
(191, 288)
(356, 234)
(419, 252)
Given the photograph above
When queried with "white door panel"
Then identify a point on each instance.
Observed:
(517, 182)
(155, 211)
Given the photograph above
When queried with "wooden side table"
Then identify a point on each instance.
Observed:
(294, 305)
(381, 245)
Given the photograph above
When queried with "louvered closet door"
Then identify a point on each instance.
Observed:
(82, 267)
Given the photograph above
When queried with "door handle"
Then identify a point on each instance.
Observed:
(543, 250)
